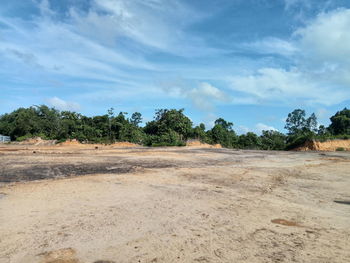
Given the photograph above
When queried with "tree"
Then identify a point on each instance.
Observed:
(322, 130)
(199, 133)
(311, 123)
(340, 122)
(298, 125)
(272, 140)
(170, 120)
(300, 129)
(249, 141)
(295, 122)
(172, 126)
(222, 133)
(136, 119)
(225, 124)
(110, 117)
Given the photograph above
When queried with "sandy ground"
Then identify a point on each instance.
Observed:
(172, 205)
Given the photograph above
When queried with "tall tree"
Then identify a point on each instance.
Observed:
(340, 122)
(136, 119)
(273, 140)
(311, 123)
(296, 121)
(222, 133)
(225, 124)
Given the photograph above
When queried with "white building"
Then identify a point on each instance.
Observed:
(4, 138)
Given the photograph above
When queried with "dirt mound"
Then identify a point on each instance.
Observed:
(196, 143)
(333, 145)
(76, 143)
(37, 141)
(124, 144)
(73, 142)
(65, 255)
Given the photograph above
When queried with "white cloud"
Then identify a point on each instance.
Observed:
(263, 127)
(327, 38)
(321, 72)
(289, 86)
(203, 97)
(58, 49)
(60, 104)
(153, 24)
(272, 45)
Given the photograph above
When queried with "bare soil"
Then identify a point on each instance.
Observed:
(331, 145)
(74, 204)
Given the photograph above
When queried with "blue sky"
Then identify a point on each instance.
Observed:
(248, 61)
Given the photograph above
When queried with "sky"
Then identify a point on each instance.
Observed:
(248, 61)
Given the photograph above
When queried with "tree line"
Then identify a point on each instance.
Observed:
(170, 127)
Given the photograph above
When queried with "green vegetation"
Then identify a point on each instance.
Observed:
(170, 127)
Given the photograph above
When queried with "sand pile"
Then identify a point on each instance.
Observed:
(73, 142)
(38, 142)
(332, 145)
(196, 143)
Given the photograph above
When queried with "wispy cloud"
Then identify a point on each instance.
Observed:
(203, 95)
(60, 104)
(272, 45)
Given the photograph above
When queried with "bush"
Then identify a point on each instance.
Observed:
(60, 141)
(23, 138)
(340, 149)
(170, 138)
(296, 142)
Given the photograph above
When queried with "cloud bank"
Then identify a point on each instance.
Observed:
(319, 72)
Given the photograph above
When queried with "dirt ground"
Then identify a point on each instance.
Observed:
(87, 205)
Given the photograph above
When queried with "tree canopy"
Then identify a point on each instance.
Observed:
(170, 127)
(340, 122)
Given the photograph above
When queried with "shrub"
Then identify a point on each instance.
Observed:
(340, 149)
(23, 138)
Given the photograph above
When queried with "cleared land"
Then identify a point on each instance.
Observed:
(81, 204)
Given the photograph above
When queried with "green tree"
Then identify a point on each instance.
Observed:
(296, 121)
(272, 140)
(225, 124)
(311, 123)
(222, 133)
(340, 122)
(166, 122)
(199, 133)
(249, 141)
(300, 129)
(136, 119)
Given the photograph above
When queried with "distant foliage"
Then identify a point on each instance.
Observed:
(273, 140)
(170, 127)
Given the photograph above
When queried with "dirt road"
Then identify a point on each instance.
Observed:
(82, 205)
